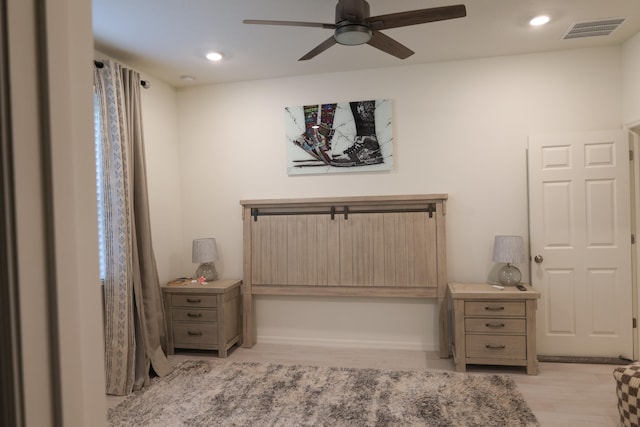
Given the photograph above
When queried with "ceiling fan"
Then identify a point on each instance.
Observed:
(354, 26)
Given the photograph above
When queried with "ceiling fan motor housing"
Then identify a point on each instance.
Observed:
(350, 18)
(353, 11)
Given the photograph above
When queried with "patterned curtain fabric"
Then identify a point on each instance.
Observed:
(133, 318)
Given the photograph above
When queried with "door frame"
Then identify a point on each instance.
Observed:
(55, 239)
(634, 170)
(11, 384)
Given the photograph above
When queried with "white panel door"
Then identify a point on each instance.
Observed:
(580, 235)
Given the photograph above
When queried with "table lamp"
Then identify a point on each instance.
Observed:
(205, 252)
(510, 250)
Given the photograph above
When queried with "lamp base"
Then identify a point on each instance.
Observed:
(208, 271)
(509, 275)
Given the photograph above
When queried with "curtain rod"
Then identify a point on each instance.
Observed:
(144, 83)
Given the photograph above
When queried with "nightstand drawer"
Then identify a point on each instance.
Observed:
(200, 334)
(496, 346)
(494, 308)
(495, 326)
(194, 315)
(205, 301)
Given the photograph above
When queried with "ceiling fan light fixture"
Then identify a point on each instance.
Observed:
(352, 34)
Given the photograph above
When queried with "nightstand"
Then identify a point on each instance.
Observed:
(203, 316)
(493, 326)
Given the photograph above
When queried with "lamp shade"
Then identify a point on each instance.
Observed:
(204, 250)
(508, 249)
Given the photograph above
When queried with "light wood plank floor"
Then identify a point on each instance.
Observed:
(562, 394)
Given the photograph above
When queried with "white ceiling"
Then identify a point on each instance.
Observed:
(168, 38)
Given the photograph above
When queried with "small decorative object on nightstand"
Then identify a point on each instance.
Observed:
(510, 250)
(203, 316)
(494, 326)
(205, 252)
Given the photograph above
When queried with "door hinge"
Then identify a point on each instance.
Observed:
(634, 323)
(631, 155)
(633, 239)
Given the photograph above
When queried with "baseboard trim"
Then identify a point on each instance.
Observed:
(585, 359)
(337, 343)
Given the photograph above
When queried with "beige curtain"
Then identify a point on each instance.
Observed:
(134, 320)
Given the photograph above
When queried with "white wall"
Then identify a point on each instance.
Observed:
(631, 81)
(459, 128)
(159, 104)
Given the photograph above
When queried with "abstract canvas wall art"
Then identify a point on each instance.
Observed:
(340, 137)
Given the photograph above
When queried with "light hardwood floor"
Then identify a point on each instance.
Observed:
(562, 394)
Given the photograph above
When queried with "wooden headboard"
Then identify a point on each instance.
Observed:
(387, 246)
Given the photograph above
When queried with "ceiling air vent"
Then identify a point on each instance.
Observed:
(603, 27)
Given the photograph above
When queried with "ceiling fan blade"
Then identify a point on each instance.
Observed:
(387, 44)
(290, 23)
(319, 49)
(413, 17)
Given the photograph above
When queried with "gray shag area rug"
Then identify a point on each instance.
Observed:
(213, 393)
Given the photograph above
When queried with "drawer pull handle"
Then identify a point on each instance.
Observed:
(494, 325)
(194, 334)
(495, 347)
(194, 315)
(194, 300)
(493, 308)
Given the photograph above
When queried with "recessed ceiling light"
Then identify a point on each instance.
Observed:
(187, 78)
(214, 56)
(539, 20)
